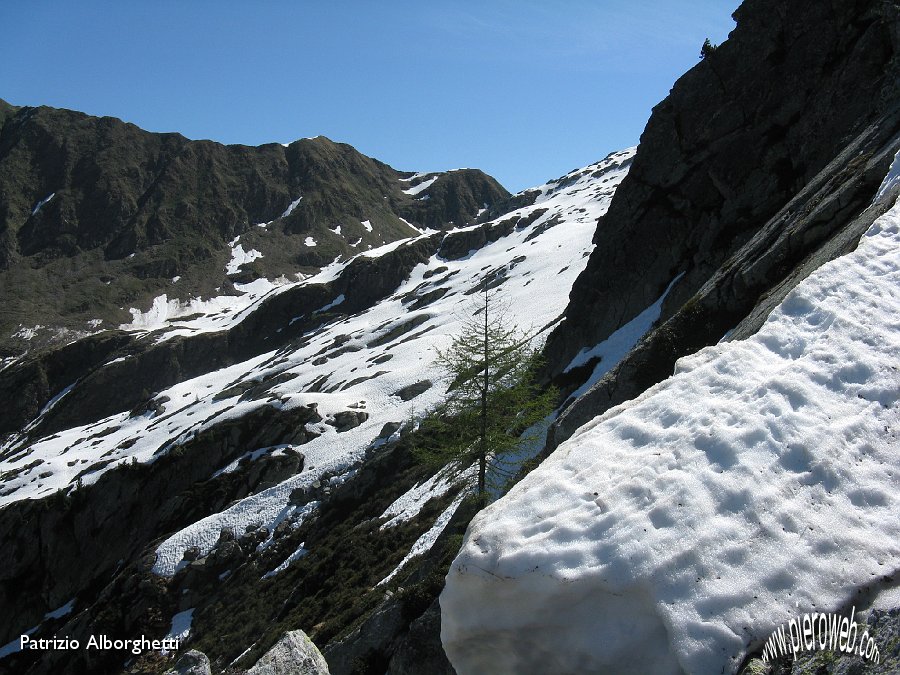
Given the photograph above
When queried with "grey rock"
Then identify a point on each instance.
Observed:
(420, 649)
(293, 654)
(375, 635)
(388, 429)
(250, 540)
(191, 553)
(348, 419)
(283, 528)
(268, 470)
(192, 662)
(298, 496)
(410, 392)
(225, 554)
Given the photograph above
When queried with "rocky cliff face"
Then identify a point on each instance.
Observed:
(97, 216)
(757, 165)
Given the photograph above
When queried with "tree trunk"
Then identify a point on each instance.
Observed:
(482, 456)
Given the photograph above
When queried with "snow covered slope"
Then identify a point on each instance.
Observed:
(674, 532)
(357, 363)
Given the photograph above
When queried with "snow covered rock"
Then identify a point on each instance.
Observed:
(676, 531)
(293, 654)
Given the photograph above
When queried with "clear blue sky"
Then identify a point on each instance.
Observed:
(525, 90)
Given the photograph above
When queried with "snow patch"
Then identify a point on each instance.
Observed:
(60, 612)
(293, 205)
(216, 313)
(14, 646)
(26, 333)
(40, 204)
(421, 187)
(408, 505)
(181, 625)
(296, 555)
(240, 257)
(891, 180)
(267, 508)
(424, 543)
(331, 305)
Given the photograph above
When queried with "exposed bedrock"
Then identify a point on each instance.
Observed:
(767, 115)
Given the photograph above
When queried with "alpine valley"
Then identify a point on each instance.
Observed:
(214, 360)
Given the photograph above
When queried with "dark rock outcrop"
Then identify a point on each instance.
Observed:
(347, 420)
(757, 168)
(28, 386)
(420, 649)
(457, 245)
(453, 198)
(739, 136)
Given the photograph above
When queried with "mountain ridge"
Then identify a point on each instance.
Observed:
(97, 215)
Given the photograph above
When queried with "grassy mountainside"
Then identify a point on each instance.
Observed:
(97, 216)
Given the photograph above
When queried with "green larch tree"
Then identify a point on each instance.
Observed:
(492, 399)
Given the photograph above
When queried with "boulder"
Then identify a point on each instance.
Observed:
(411, 391)
(226, 554)
(293, 654)
(191, 553)
(388, 429)
(420, 649)
(348, 419)
(191, 662)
